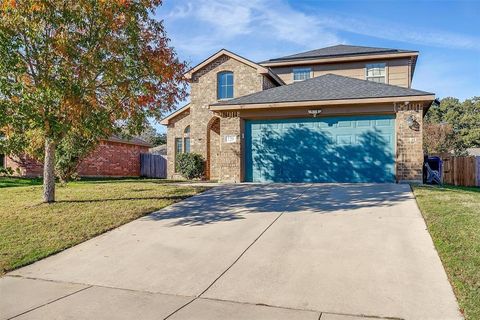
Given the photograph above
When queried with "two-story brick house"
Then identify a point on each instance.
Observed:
(336, 114)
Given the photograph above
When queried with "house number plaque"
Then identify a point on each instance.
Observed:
(230, 138)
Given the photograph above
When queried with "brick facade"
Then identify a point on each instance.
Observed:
(113, 159)
(24, 166)
(218, 136)
(109, 159)
(223, 158)
(409, 158)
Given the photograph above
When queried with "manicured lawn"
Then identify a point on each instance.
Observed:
(18, 182)
(31, 230)
(453, 219)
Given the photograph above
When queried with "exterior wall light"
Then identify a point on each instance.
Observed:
(315, 112)
(412, 122)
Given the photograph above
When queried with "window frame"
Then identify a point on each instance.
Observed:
(186, 137)
(304, 70)
(385, 72)
(177, 151)
(221, 86)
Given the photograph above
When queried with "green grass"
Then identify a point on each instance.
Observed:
(31, 230)
(6, 182)
(453, 219)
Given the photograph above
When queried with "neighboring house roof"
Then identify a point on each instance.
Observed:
(326, 87)
(260, 69)
(474, 152)
(161, 149)
(339, 50)
(172, 115)
(132, 140)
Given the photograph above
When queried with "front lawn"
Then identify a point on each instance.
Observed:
(453, 219)
(31, 230)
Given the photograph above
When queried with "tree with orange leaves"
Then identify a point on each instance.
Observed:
(83, 66)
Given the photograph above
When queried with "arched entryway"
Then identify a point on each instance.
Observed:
(213, 149)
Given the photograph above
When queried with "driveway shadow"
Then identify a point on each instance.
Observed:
(234, 202)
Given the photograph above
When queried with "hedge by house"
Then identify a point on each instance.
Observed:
(190, 165)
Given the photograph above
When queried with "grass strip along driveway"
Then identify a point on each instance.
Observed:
(31, 230)
(453, 219)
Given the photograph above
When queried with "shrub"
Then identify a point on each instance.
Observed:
(7, 171)
(190, 165)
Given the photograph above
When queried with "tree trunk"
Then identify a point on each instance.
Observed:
(49, 172)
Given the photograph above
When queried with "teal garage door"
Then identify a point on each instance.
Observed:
(336, 149)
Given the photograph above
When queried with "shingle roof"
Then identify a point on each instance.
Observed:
(338, 50)
(326, 87)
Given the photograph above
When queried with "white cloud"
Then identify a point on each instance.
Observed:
(213, 24)
(400, 32)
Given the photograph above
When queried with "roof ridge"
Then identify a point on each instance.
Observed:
(336, 50)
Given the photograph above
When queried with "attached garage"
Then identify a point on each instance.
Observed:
(322, 149)
(325, 129)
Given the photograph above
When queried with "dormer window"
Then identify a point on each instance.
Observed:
(300, 74)
(375, 72)
(225, 85)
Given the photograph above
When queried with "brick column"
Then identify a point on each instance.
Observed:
(230, 158)
(409, 158)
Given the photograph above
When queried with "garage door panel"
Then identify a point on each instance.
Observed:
(341, 149)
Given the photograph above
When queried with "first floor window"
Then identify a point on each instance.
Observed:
(187, 144)
(300, 74)
(178, 150)
(2, 161)
(375, 72)
(186, 139)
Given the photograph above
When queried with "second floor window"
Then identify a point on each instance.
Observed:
(225, 85)
(375, 72)
(300, 74)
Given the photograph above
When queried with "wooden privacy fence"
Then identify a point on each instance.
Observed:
(461, 171)
(153, 165)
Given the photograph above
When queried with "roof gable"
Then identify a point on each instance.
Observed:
(232, 55)
(223, 52)
(166, 120)
(326, 87)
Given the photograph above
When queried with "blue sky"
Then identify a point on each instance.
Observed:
(447, 33)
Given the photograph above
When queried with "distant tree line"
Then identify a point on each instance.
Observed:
(151, 135)
(452, 127)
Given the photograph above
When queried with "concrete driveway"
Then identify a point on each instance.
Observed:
(300, 251)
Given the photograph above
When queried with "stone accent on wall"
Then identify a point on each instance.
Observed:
(203, 92)
(409, 160)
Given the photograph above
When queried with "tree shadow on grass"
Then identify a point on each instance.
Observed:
(176, 198)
